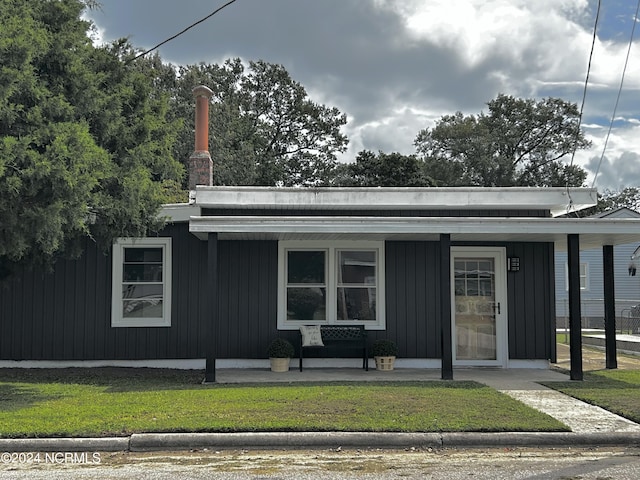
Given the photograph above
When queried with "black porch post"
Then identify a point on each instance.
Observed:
(445, 307)
(212, 308)
(609, 307)
(575, 325)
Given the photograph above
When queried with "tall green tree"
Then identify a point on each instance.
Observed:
(383, 170)
(522, 142)
(264, 129)
(85, 144)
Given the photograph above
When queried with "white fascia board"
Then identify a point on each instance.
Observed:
(556, 200)
(595, 231)
(179, 212)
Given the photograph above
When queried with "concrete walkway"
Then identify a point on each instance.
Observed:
(523, 385)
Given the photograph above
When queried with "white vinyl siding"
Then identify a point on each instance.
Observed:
(584, 276)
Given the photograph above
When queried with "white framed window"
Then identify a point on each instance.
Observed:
(334, 283)
(584, 276)
(141, 282)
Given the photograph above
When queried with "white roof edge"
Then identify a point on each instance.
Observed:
(394, 224)
(593, 231)
(179, 212)
(558, 200)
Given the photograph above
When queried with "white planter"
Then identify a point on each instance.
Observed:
(279, 364)
(384, 363)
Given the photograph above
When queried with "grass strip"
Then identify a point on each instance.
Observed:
(615, 390)
(107, 402)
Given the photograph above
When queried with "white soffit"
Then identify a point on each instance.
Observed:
(557, 200)
(593, 232)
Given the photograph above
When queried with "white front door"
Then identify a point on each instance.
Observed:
(479, 306)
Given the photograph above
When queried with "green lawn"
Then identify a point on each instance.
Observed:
(615, 390)
(106, 402)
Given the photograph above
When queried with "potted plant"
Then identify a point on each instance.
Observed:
(280, 352)
(384, 352)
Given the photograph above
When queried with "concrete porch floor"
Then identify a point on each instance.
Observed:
(482, 375)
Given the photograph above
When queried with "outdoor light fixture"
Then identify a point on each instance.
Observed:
(513, 264)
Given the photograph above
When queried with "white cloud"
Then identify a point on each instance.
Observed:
(394, 67)
(619, 165)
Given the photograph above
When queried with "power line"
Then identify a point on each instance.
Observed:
(183, 31)
(615, 108)
(584, 96)
(586, 82)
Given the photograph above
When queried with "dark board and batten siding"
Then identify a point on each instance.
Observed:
(247, 295)
(531, 298)
(413, 312)
(66, 315)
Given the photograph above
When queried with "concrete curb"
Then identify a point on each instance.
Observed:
(539, 439)
(151, 441)
(107, 444)
(186, 441)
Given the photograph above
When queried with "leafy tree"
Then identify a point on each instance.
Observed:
(383, 170)
(264, 129)
(628, 197)
(518, 142)
(85, 144)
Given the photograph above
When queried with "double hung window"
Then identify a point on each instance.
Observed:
(141, 293)
(331, 283)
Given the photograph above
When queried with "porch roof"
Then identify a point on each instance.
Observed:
(594, 232)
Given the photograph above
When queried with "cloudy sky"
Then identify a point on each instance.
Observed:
(396, 66)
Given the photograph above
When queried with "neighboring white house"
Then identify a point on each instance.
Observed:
(627, 283)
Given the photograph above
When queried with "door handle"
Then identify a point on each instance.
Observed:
(496, 307)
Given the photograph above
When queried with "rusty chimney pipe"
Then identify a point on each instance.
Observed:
(203, 95)
(200, 163)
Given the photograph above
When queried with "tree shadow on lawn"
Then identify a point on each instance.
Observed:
(114, 378)
(15, 397)
(126, 379)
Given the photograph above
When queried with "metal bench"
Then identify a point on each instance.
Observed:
(341, 336)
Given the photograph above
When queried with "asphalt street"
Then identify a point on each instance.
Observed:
(338, 464)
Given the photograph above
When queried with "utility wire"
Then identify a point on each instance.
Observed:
(586, 82)
(615, 108)
(584, 96)
(183, 31)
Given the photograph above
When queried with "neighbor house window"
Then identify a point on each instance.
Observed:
(141, 288)
(584, 276)
(331, 283)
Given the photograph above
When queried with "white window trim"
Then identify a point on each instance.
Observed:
(117, 320)
(587, 282)
(331, 247)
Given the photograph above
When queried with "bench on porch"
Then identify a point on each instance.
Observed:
(339, 336)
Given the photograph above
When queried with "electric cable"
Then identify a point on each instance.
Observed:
(615, 108)
(183, 31)
(584, 96)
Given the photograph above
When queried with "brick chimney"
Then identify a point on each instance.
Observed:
(200, 163)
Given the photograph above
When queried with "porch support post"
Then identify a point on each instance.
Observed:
(575, 326)
(211, 337)
(445, 307)
(609, 307)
